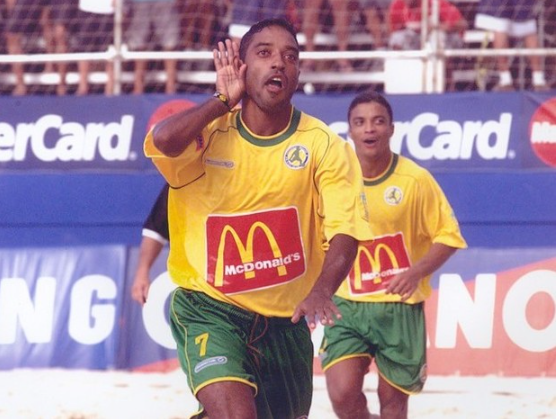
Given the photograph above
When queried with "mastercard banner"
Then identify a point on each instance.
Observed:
(542, 128)
(463, 131)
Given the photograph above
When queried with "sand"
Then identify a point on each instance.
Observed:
(71, 394)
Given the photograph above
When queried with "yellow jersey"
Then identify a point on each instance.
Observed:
(408, 213)
(250, 217)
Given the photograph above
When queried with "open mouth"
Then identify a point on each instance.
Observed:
(275, 83)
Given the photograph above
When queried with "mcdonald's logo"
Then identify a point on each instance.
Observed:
(246, 252)
(376, 263)
(251, 251)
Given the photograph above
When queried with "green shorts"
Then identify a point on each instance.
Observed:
(221, 342)
(393, 333)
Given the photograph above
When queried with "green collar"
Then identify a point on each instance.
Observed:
(244, 132)
(386, 174)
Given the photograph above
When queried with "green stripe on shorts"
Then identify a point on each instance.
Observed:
(221, 342)
(393, 333)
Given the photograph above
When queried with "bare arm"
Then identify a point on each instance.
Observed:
(406, 282)
(336, 267)
(172, 135)
(148, 252)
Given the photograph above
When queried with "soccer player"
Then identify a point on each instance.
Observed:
(381, 301)
(265, 210)
(155, 237)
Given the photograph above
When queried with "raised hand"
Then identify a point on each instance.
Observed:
(230, 71)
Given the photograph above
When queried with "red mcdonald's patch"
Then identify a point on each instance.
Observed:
(252, 251)
(376, 263)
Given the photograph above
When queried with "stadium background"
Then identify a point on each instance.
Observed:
(75, 188)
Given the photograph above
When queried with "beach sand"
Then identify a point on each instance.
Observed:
(76, 394)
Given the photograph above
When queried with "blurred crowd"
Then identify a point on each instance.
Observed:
(69, 26)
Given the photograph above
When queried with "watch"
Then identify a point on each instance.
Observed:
(224, 99)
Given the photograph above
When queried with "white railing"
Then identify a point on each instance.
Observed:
(428, 63)
(432, 63)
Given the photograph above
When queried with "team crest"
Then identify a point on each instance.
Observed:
(296, 157)
(393, 195)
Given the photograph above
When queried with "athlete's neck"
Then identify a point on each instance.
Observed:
(373, 168)
(263, 123)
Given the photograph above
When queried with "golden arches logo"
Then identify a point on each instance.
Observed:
(374, 261)
(246, 253)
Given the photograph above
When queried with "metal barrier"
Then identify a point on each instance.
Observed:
(426, 67)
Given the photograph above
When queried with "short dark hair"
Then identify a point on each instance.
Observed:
(258, 27)
(370, 97)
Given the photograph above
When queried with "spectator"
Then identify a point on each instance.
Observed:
(96, 27)
(245, 13)
(164, 16)
(374, 12)
(549, 31)
(342, 11)
(202, 23)
(62, 15)
(405, 19)
(341, 25)
(404, 26)
(23, 17)
(200, 18)
(515, 19)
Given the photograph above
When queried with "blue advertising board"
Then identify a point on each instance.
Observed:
(71, 308)
(59, 308)
(453, 132)
(75, 188)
